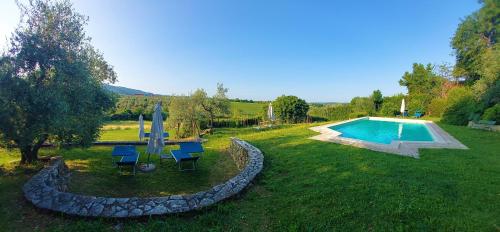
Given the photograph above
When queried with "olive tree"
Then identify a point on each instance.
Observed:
(51, 81)
(217, 105)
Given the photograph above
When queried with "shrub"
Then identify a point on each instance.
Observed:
(492, 114)
(363, 104)
(358, 114)
(417, 102)
(330, 112)
(391, 105)
(437, 107)
(460, 112)
(290, 109)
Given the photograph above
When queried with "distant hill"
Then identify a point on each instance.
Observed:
(126, 91)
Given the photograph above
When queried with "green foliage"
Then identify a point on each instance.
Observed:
(377, 99)
(457, 93)
(290, 109)
(362, 106)
(330, 112)
(392, 105)
(130, 107)
(423, 85)
(185, 116)
(476, 43)
(418, 102)
(492, 114)
(51, 81)
(478, 53)
(217, 105)
(461, 106)
(437, 107)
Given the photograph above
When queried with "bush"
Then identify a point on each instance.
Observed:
(492, 114)
(437, 107)
(330, 112)
(290, 109)
(391, 105)
(417, 102)
(460, 112)
(363, 104)
(358, 114)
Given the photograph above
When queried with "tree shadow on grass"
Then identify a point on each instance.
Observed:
(93, 173)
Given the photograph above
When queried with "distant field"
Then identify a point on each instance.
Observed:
(247, 109)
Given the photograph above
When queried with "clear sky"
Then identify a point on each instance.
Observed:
(321, 51)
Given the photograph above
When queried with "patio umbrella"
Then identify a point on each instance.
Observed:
(156, 140)
(270, 113)
(403, 107)
(141, 127)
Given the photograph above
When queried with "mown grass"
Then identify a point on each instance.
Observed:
(317, 186)
(247, 109)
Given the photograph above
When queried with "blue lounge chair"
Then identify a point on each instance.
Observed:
(129, 160)
(184, 154)
(122, 150)
(191, 147)
(128, 156)
(181, 157)
(418, 114)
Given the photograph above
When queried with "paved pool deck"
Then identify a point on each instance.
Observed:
(404, 148)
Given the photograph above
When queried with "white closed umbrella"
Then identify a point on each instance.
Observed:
(156, 140)
(270, 113)
(403, 107)
(141, 127)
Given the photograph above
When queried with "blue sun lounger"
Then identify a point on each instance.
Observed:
(184, 154)
(418, 114)
(128, 156)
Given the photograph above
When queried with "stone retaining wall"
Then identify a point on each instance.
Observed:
(47, 190)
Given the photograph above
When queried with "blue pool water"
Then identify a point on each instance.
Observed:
(383, 131)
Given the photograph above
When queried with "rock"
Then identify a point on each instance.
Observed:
(160, 209)
(121, 213)
(135, 212)
(96, 209)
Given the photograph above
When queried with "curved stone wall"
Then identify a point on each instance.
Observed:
(47, 190)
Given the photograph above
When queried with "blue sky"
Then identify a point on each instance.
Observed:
(321, 51)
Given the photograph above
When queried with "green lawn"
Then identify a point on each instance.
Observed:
(247, 109)
(305, 185)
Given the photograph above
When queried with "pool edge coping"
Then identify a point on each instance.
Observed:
(403, 148)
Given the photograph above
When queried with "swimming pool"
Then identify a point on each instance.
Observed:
(379, 131)
(399, 136)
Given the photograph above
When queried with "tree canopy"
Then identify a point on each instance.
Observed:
(377, 99)
(290, 109)
(51, 81)
(477, 51)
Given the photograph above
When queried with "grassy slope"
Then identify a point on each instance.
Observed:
(247, 109)
(312, 185)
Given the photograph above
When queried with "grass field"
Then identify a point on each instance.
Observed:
(305, 185)
(247, 109)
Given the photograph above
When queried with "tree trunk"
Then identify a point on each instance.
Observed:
(212, 121)
(28, 155)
